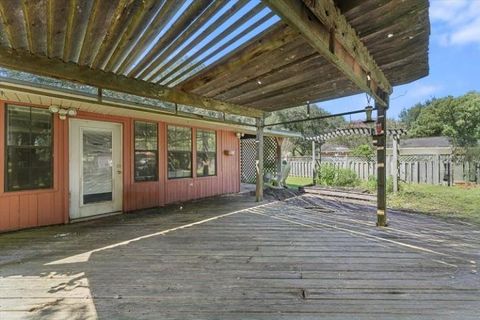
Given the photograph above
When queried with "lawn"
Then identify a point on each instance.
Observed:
(456, 201)
(295, 182)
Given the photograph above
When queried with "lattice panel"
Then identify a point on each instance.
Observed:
(248, 155)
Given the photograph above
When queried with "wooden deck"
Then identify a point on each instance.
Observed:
(227, 258)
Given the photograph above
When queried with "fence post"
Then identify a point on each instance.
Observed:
(395, 152)
(259, 162)
(313, 162)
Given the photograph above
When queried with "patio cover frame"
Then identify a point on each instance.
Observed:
(115, 45)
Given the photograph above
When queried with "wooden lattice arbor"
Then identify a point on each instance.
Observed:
(243, 57)
(395, 134)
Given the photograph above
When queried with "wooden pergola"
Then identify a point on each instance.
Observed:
(243, 57)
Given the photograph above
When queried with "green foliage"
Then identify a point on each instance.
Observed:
(457, 201)
(328, 175)
(409, 116)
(295, 182)
(457, 118)
(364, 151)
(371, 184)
(308, 128)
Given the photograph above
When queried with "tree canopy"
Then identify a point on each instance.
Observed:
(308, 128)
(457, 118)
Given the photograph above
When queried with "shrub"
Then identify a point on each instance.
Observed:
(371, 184)
(328, 175)
(346, 178)
(363, 151)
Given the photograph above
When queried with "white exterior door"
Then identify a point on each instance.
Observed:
(95, 168)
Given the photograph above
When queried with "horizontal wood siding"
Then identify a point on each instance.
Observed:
(26, 209)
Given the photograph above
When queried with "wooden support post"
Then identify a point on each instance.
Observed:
(314, 171)
(381, 134)
(278, 158)
(395, 153)
(259, 162)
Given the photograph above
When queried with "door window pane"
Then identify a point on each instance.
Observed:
(206, 153)
(97, 166)
(146, 151)
(29, 148)
(179, 152)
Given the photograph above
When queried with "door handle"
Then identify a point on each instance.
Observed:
(119, 171)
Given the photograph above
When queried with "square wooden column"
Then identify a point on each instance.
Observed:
(381, 137)
(259, 161)
(278, 157)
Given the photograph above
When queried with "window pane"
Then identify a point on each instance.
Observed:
(29, 148)
(206, 153)
(151, 136)
(145, 166)
(179, 152)
(41, 127)
(146, 154)
(97, 166)
(140, 140)
(41, 168)
(18, 126)
(28, 168)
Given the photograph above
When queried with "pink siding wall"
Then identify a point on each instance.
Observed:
(45, 207)
(24, 209)
(200, 187)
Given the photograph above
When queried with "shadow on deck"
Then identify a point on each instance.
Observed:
(230, 258)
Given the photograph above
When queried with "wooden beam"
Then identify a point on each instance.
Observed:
(214, 76)
(240, 35)
(151, 32)
(328, 31)
(56, 68)
(259, 160)
(184, 52)
(187, 24)
(148, 29)
(209, 43)
(123, 13)
(381, 138)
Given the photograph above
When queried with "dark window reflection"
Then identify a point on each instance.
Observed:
(29, 148)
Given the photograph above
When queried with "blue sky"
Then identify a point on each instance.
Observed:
(454, 58)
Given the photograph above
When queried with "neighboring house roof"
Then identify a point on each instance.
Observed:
(427, 142)
(334, 148)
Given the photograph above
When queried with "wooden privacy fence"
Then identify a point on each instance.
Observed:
(426, 169)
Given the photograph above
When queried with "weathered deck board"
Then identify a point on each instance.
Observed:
(277, 261)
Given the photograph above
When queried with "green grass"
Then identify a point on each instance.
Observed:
(457, 201)
(295, 182)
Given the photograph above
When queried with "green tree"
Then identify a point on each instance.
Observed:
(457, 118)
(409, 116)
(364, 151)
(307, 128)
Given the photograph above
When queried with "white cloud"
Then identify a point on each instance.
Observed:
(455, 22)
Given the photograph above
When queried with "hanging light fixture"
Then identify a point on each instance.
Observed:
(63, 112)
(368, 114)
(368, 108)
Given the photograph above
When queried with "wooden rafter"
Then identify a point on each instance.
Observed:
(180, 31)
(327, 30)
(199, 38)
(235, 62)
(144, 30)
(212, 42)
(360, 131)
(56, 68)
(240, 35)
